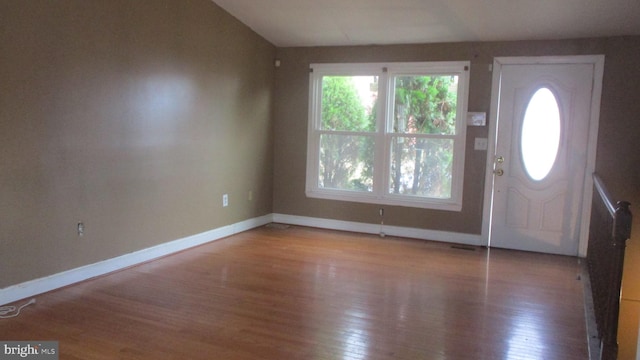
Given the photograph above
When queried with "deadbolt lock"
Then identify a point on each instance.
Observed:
(498, 172)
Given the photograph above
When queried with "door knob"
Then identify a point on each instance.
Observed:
(498, 172)
(500, 159)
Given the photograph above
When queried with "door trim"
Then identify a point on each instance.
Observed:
(598, 70)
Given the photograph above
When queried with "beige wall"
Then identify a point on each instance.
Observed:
(291, 109)
(131, 116)
(618, 158)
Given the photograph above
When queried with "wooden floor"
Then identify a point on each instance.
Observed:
(300, 293)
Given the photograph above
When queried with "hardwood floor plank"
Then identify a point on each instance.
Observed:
(300, 293)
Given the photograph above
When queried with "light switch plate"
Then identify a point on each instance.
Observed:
(481, 144)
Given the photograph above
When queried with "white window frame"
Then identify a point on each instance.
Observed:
(383, 135)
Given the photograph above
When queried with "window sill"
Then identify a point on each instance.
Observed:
(391, 200)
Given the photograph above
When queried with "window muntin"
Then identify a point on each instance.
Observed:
(388, 133)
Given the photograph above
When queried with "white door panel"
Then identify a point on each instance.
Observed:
(541, 215)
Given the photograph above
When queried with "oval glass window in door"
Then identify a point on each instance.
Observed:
(540, 138)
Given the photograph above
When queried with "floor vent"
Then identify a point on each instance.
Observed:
(464, 247)
(278, 226)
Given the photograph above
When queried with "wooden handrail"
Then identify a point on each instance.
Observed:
(609, 230)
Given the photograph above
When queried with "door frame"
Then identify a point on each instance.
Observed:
(598, 70)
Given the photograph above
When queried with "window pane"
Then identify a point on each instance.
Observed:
(425, 104)
(421, 167)
(349, 103)
(346, 162)
(540, 138)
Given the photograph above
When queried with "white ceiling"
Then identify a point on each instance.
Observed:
(364, 22)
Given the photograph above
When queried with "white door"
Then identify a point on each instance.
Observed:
(540, 156)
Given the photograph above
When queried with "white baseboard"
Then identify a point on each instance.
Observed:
(414, 233)
(56, 281)
(65, 278)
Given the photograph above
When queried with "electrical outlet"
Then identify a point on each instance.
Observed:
(225, 200)
(80, 228)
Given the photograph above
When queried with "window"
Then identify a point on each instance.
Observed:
(388, 133)
(540, 137)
